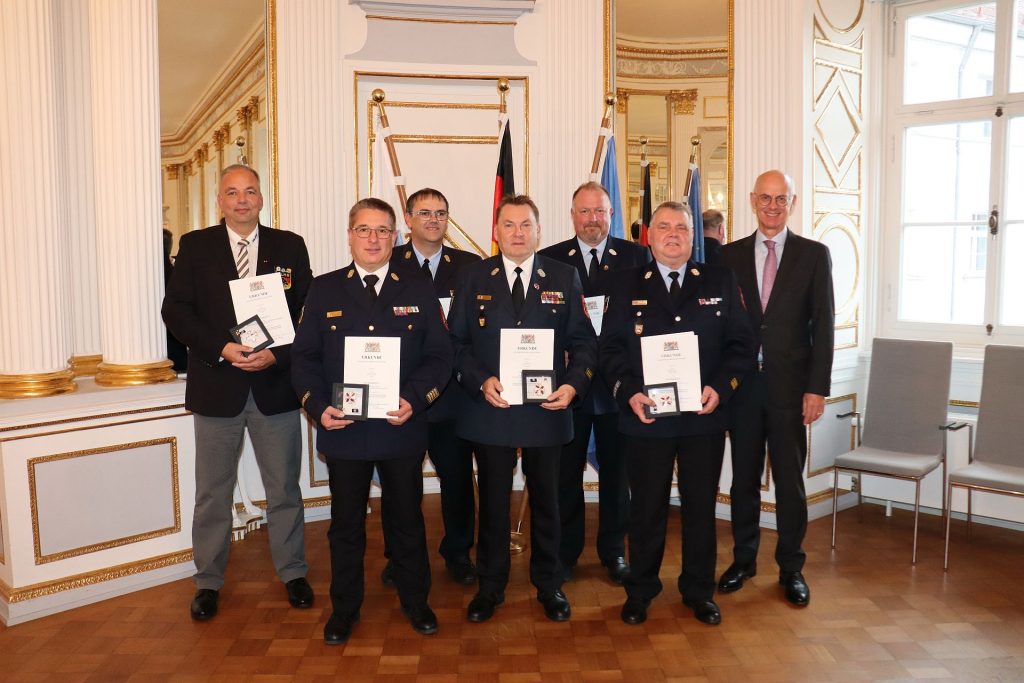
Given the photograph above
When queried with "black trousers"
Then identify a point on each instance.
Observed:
(401, 483)
(755, 423)
(495, 465)
(613, 501)
(699, 459)
(453, 460)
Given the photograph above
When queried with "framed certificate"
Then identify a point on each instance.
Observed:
(537, 385)
(666, 400)
(252, 332)
(374, 362)
(353, 400)
(263, 296)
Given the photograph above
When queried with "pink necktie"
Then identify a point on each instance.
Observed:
(771, 269)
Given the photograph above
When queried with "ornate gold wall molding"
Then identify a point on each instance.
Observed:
(40, 558)
(39, 590)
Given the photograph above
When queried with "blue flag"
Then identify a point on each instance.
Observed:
(610, 180)
(698, 220)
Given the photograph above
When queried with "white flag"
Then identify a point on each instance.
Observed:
(383, 181)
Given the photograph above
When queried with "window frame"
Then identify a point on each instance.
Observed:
(897, 118)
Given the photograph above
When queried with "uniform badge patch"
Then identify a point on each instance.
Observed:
(713, 301)
(483, 297)
(639, 302)
(333, 314)
(733, 382)
(286, 276)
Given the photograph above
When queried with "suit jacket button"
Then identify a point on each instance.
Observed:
(370, 328)
(519, 322)
(678, 318)
(333, 328)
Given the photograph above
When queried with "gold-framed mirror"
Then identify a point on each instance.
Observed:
(216, 72)
(672, 68)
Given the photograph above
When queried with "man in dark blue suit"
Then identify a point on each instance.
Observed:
(674, 295)
(426, 214)
(231, 389)
(599, 260)
(787, 282)
(370, 299)
(519, 290)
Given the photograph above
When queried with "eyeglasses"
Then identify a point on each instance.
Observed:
(425, 214)
(597, 213)
(782, 200)
(363, 232)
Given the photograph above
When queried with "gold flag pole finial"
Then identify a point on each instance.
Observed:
(694, 146)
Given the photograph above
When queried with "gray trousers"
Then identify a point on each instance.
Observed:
(277, 443)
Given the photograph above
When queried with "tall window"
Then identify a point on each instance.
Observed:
(954, 235)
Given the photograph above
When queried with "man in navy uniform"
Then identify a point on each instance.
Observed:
(674, 295)
(597, 258)
(231, 389)
(787, 282)
(368, 299)
(426, 214)
(519, 290)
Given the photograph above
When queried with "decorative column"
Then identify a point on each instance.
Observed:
(571, 70)
(769, 46)
(126, 127)
(304, 52)
(79, 188)
(33, 282)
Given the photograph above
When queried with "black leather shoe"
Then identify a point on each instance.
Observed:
(705, 610)
(797, 591)
(387, 575)
(204, 604)
(422, 618)
(300, 593)
(339, 628)
(617, 569)
(481, 607)
(735, 575)
(556, 605)
(634, 612)
(462, 570)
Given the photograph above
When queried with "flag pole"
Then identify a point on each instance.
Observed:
(695, 145)
(378, 98)
(606, 126)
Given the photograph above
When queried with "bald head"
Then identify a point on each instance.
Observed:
(773, 200)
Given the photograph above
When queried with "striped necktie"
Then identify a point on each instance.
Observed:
(242, 260)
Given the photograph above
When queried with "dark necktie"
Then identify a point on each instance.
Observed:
(674, 290)
(594, 265)
(518, 292)
(426, 268)
(371, 287)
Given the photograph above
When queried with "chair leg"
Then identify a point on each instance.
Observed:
(917, 511)
(949, 517)
(970, 528)
(945, 499)
(835, 503)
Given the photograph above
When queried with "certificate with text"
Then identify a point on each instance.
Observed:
(595, 309)
(523, 349)
(375, 362)
(674, 358)
(263, 295)
(446, 305)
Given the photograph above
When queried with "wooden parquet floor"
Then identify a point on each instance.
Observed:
(872, 617)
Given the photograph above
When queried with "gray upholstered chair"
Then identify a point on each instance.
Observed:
(904, 427)
(996, 459)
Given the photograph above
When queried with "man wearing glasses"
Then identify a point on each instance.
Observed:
(598, 258)
(426, 214)
(786, 281)
(369, 299)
